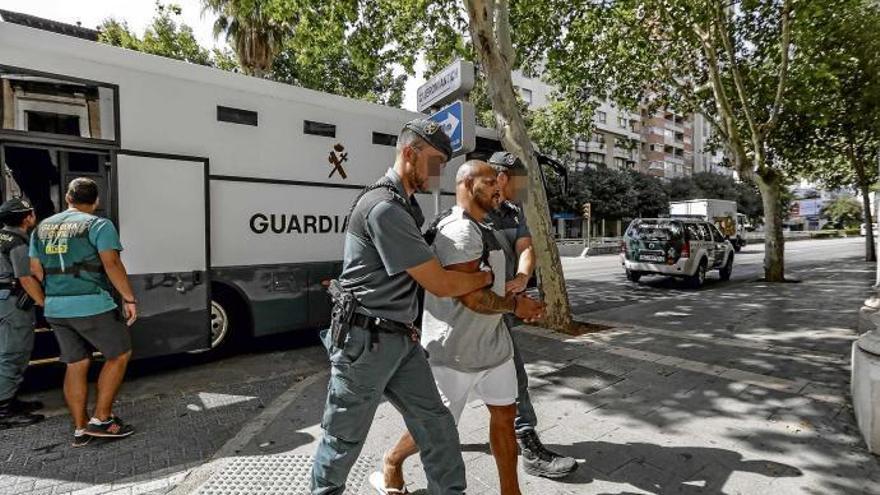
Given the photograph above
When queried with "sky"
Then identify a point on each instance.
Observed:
(139, 13)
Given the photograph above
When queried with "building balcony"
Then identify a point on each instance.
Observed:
(596, 147)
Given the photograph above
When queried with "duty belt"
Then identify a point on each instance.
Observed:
(375, 325)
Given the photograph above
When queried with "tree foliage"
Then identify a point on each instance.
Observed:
(833, 135)
(166, 36)
(613, 194)
(843, 212)
(730, 61)
(252, 28)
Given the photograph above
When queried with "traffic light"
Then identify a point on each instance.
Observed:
(587, 213)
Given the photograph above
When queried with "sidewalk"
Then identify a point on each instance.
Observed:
(742, 388)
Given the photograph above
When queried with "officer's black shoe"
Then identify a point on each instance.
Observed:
(10, 418)
(25, 406)
(538, 461)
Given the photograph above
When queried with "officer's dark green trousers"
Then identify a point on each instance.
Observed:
(360, 376)
(16, 344)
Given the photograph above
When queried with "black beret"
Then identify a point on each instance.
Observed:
(15, 205)
(504, 161)
(432, 133)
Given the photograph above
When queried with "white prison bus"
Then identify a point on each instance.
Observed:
(229, 192)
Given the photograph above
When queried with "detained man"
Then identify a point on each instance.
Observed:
(469, 347)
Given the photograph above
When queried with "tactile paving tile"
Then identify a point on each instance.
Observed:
(281, 474)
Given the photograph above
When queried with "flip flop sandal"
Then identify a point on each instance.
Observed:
(377, 481)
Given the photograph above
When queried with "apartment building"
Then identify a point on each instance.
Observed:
(667, 144)
(706, 160)
(662, 143)
(614, 143)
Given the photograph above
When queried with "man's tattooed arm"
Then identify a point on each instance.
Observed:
(487, 302)
(484, 301)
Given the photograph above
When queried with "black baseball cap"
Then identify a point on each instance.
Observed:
(504, 161)
(15, 205)
(432, 133)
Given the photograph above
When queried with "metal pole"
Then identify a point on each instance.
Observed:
(436, 194)
(584, 227)
(589, 230)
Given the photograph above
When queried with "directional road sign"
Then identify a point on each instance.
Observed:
(454, 81)
(458, 122)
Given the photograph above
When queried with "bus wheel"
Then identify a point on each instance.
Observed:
(227, 320)
(220, 324)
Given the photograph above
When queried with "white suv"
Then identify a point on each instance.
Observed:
(677, 248)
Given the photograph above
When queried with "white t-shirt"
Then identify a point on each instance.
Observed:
(453, 335)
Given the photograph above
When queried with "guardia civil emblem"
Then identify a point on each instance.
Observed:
(431, 128)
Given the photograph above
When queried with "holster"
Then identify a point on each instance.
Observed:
(344, 305)
(24, 301)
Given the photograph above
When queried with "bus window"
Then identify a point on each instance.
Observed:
(41, 104)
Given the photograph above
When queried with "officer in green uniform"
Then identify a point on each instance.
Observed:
(18, 291)
(78, 255)
(509, 222)
(378, 354)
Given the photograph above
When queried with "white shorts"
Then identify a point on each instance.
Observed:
(495, 387)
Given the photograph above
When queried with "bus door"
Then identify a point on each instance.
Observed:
(40, 173)
(161, 207)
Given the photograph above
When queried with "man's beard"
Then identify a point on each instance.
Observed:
(420, 184)
(486, 203)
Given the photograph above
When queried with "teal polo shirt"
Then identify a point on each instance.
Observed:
(62, 237)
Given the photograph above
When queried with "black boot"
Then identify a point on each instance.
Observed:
(538, 461)
(10, 418)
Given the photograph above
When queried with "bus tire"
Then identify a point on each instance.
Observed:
(229, 320)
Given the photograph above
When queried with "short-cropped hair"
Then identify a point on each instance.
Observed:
(82, 191)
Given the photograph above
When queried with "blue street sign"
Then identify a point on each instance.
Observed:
(458, 122)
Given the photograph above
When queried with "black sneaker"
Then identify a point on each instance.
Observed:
(538, 461)
(80, 440)
(112, 428)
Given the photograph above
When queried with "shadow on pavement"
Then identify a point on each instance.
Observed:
(658, 469)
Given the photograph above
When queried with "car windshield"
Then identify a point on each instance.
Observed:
(656, 231)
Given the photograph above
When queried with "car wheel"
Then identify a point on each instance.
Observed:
(737, 246)
(633, 276)
(699, 277)
(727, 269)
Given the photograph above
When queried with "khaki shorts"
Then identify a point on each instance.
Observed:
(78, 336)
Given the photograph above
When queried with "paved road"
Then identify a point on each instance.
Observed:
(598, 283)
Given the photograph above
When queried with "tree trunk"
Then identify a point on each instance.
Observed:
(515, 139)
(770, 185)
(865, 188)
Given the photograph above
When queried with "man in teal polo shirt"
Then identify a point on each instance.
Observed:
(77, 255)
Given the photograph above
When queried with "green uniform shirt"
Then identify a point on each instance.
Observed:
(63, 241)
(375, 268)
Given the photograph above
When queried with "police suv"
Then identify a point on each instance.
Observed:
(675, 247)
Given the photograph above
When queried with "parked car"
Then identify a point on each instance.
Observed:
(681, 248)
